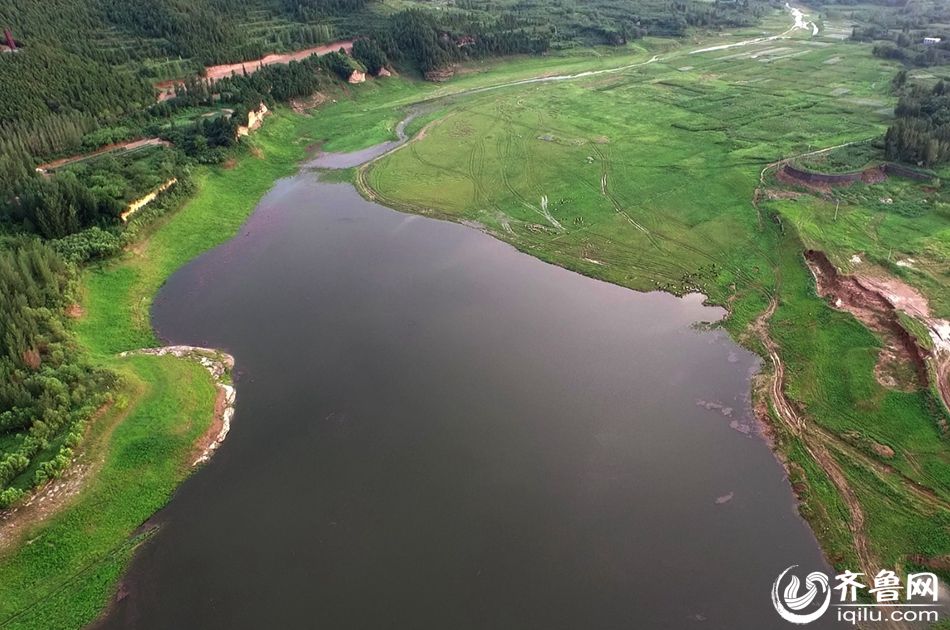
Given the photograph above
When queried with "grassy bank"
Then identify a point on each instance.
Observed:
(139, 450)
(117, 294)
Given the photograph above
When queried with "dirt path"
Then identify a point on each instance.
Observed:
(800, 24)
(215, 73)
(166, 89)
(59, 493)
(821, 443)
(131, 145)
(815, 445)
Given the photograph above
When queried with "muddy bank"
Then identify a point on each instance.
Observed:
(901, 361)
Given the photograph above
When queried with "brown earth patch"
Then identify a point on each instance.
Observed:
(257, 152)
(441, 74)
(940, 563)
(900, 294)
(229, 164)
(304, 105)
(75, 311)
(874, 175)
(314, 148)
(250, 67)
(883, 450)
(783, 176)
(901, 364)
(32, 358)
(203, 445)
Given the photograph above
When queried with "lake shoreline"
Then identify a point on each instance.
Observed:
(251, 179)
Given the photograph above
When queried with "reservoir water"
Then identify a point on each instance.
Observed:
(435, 431)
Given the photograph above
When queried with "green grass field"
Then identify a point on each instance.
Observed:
(898, 225)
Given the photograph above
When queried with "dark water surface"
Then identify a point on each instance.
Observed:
(434, 431)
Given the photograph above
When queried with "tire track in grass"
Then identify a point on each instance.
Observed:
(528, 167)
(508, 129)
(657, 237)
(605, 191)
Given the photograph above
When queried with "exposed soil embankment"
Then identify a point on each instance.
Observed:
(140, 203)
(791, 174)
(225, 70)
(901, 362)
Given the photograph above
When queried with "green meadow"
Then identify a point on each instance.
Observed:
(898, 225)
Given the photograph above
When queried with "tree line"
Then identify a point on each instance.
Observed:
(921, 132)
(47, 388)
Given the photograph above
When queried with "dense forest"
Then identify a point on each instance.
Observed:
(921, 132)
(47, 390)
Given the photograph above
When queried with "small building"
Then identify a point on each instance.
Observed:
(931, 41)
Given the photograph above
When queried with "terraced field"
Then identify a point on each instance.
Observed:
(649, 177)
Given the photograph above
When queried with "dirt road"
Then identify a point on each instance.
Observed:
(216, 73)
(166, 89)
(131, 145)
